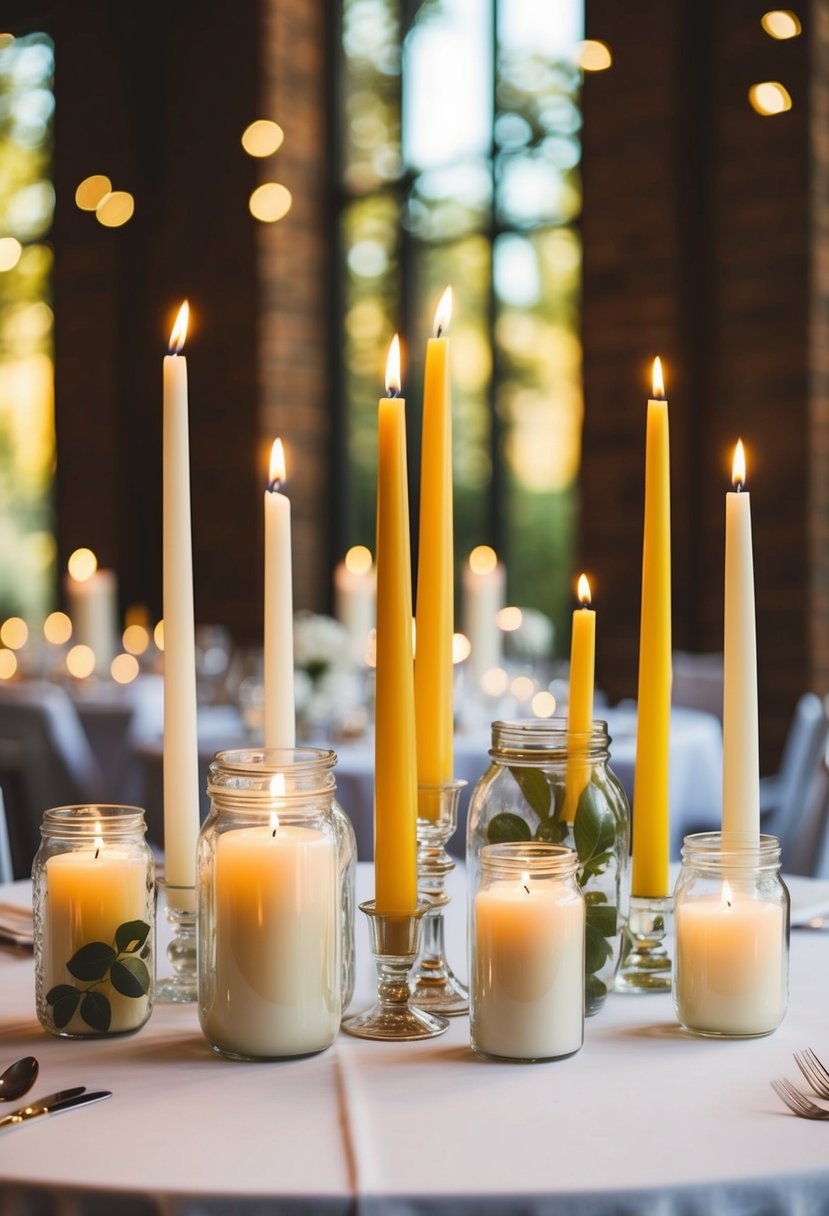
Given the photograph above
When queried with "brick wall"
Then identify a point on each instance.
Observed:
(698, 245)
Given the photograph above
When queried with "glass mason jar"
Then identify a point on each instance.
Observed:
(93, 883)
(546, 785)
(275, 895)
(731, 964)
(526, 957)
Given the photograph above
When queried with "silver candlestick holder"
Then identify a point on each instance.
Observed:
(394, 941)
(434, 985)
(182, 986)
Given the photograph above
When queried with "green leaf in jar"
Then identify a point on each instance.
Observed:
(96, 1011)
(602, 918)
(553, 831)
(505, 827)
(597, 950)
(92, 961)
(130, 977)
(536, 789)
(130, 936)
(594, 827)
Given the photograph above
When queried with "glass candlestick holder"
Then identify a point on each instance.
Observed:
(394, 940)
(434, 985)
(181, 987)
(647, 946)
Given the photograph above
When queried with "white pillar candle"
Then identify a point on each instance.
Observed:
(181, 761)
(277, 967)
(89, 893)
(528, 969)
(92, 604)
(355, 598)
(730, 963)
(484, 587)
(741, 749)
(280, 713)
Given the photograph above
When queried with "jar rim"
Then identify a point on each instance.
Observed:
(271, 760)
(93, 819)
(705, 850)
(536, 857)
(534, 735)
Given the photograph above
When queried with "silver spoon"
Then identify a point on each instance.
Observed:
(18, 1079)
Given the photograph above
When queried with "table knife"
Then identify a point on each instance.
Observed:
(64, 1099)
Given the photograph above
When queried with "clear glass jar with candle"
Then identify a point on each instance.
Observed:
(526, 963)
(275, 891)
(93, 885)
(731, 965)
(548, 785)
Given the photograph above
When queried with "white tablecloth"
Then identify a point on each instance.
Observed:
(645, 1119)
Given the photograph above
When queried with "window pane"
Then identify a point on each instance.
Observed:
(447, 84)
(369, 230)
(27, 437)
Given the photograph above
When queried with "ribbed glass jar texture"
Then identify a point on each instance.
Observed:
(275, 893)
(526, 958)
(93, 883)
(548, 785)
(731, 963)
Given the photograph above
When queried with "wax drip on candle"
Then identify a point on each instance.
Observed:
(393, 378)
(443, 313)
(277, 474)
(738, 468)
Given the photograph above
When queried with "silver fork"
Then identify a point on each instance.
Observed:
(814, 1071)
(798, 1102)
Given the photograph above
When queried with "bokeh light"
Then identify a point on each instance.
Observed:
(80, 661)
(262, 138)
(270, 202)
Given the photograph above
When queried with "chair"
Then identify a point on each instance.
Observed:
(698, 682)
(45, 760)
(790, 799)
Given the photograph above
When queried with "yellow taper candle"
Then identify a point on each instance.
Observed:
(741, 751)
(650, 784)
(395, 768)
(580, 701)
(435, 574)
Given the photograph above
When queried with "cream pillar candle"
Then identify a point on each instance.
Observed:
(277, 973)
(355, 598)
(89, 893)
(741, 749)
(483, 585)
(280, 714)
(92, 604)
(730, 963)
(528, 969)
(181, 761)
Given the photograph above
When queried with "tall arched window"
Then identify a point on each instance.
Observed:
(459, 138)
(27, 433)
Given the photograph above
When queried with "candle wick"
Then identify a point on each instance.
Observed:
(275, 486)
(97, 851)
(526, 888)
(273, 833)
(393, 391)
(739, 487)
(439, 331)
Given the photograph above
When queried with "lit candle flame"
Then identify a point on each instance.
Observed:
(393, 378)
(443, 314)
(727, 897)
(482, 559)
(738, 468)
(584, 591)
(179, 334)
(276, 477)
(658, 382)
(358, 560)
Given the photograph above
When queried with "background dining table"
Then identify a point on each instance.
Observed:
(695, 762)
(645, 1119)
